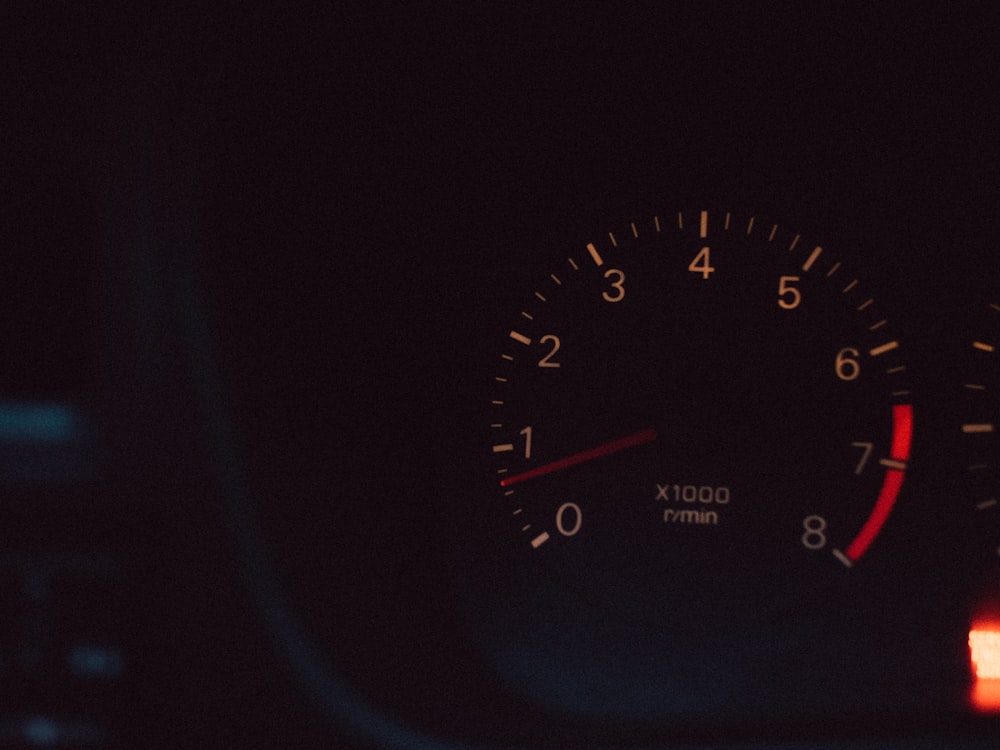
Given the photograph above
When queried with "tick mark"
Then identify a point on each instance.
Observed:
(843, 558)
(812, 258)
(892, 463)
(539, 540)
(887, 347)
(598, 260)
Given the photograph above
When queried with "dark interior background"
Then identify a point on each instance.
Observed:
(263, 251)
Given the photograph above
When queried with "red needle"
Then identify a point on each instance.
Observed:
(606, 449)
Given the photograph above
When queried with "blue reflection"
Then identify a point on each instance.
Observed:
(41, 731)
(39, 423)
(97, 662)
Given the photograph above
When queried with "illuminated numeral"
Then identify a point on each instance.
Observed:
(617, 279)
(788, 296)
(866, 451)
(527, 441)
(575, 520)
(702, 263)
(690, 493)
(546, 361)
(814, 536)
(846, 366)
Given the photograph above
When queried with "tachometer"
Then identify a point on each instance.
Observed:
(694, 397)
(700, 425)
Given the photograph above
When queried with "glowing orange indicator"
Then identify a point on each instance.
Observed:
(984, 648)
(984, 652)
(902, 436)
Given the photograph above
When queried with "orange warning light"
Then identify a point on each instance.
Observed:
(984, 648)
(984, 652)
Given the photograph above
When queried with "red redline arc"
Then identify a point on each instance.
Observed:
(902, 436)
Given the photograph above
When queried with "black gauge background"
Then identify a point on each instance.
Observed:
(721, 379)
(800, 622)
(742, 394)
(366, 194)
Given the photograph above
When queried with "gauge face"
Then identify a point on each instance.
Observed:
(700, 408)
(982, 488)
(979, 428)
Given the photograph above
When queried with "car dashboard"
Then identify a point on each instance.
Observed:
(501, 377)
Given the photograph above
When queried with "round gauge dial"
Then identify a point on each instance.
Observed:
(691, 406)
